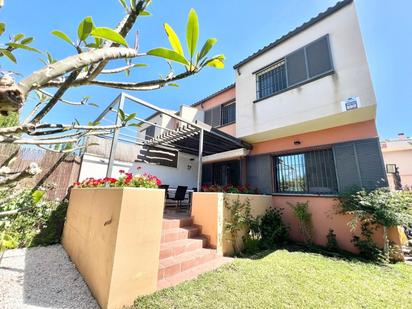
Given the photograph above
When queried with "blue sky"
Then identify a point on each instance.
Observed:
(241, 26)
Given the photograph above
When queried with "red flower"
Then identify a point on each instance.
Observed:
(121, 171)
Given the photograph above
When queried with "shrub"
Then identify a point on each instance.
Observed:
(37, 221)
(240, 219)
(301, 212)
(244, 189)
(272, 230)
(367, 247)
(377, 207)
(126, 180)
(332, 243)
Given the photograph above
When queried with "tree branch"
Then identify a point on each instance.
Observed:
(75, 62)
(31, 128)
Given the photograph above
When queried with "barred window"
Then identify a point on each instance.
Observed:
(304, 64)
(271, 80)
(228, 113)
(308, 172)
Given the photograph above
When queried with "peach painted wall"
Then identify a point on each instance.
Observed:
(230, 129)
(356, 131)
(324, 216)
(224, 97)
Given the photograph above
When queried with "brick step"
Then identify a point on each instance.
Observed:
(171, 222)
(192, 273)
(177, 247)
(179, 233)
(175, 264)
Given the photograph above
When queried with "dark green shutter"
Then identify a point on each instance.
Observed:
(371, 166)
(359, 164)
(259, 173)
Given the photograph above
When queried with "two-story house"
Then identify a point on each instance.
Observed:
(307, 105)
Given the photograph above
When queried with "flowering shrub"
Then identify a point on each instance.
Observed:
(125, 180)
(230, 189)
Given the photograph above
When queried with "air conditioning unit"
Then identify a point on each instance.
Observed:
(350, 104)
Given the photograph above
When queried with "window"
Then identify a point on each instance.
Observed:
(308, 172)
(391, 168)
(228, 113)
(271, 80)
(150, 132)
(221, 115)
(302, 65)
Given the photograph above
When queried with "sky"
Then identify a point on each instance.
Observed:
(241, 27)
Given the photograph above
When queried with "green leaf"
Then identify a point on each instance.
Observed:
(134, 125)
(50, 57)
(27, 40)
(206, 48)
(2, 28)
(22, 46)
(8, 54)
(122, 115)
(216, 62)
(130, 117)
(93, 104)
(123, 3)
(168, 54)
(145, 13)
(37, 196)
(62, 36)
(192, 32)
(18, 37)
(174, 39)
(109, 34)
(85, 28)
(173, 85)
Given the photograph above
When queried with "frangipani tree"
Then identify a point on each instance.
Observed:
(93, 49)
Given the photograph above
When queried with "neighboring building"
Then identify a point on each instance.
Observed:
(397, 154)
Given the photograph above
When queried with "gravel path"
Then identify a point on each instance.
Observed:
(42, 277)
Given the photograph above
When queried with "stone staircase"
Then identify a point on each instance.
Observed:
(407, 253)
(184, 252)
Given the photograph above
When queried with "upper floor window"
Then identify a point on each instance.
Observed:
(308, 172)
(221, 115)
(304, 64)
(228, 113)
(150, 132)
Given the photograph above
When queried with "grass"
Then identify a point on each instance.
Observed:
(284, 279)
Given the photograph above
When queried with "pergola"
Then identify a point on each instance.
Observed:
(193, 137)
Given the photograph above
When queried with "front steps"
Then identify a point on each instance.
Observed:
(183, 252)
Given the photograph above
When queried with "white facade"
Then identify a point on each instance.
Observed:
(315, 105)
(185, 174)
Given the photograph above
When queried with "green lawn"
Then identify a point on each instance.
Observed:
(286, 279)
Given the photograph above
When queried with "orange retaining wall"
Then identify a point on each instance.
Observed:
(324, 216)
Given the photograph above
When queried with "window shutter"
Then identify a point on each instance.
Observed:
(207, 174)
(216, 116)
(318, 56)
(346, 164)
(259, 173)
(360, 164)
(208, 117)
(296, 67)
(371, 166)
(150, 132)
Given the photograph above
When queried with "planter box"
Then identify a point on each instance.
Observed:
(210, 213)
(112, 235)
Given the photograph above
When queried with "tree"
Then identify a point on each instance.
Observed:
(94, 48)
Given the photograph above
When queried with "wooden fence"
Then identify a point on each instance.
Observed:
(59, 171)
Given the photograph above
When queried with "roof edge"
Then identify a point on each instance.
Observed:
(213, 95)
(299, 29)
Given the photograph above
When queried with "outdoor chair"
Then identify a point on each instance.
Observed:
(166, 187)
(180, 196)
